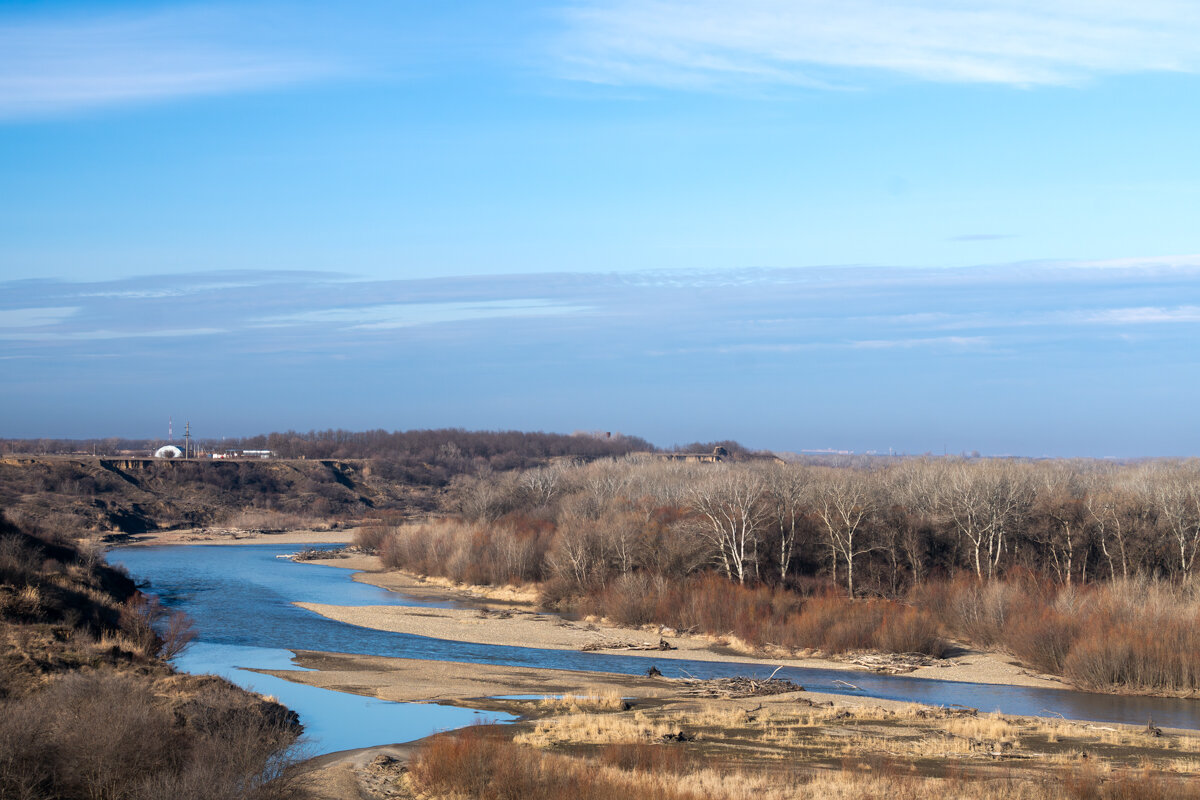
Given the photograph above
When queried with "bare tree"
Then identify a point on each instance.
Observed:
(982, 501)
(916, 486)
(844, 500)
(577, 555)
(1116, 507)
(542, 484)
(787, 493)
(730, 503)
(1176, 491)
(1062, 507)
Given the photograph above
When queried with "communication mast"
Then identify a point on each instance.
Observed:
(187, 438)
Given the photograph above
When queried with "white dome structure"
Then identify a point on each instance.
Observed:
(168, 451)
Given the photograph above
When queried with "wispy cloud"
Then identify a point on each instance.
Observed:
(35, 317)
(99, 335)
(406, 315)
(713, 43)
(752, 311)
(1146, 315)
(61, 65)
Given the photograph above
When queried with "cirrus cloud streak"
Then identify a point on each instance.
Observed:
(712, 44)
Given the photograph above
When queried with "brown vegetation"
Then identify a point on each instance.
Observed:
(89, 708)
(766, 616)
(105, 734)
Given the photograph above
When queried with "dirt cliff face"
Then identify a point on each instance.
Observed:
(133, 495)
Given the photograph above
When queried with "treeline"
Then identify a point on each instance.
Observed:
(636, 540)
(90, 709)
(878, 527)
(499, 449)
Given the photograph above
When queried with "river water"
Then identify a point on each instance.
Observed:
(241, 598)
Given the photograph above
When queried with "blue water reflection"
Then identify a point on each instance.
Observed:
(332, 721)
(242, 596)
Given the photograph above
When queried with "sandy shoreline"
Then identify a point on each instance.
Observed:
(510, 619)
(227, 536)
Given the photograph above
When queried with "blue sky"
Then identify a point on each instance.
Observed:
(808, 224)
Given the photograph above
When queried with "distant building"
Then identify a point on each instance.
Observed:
(243, 454)
(168, 451)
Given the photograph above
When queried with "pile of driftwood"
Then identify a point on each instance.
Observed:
(663, 644)
(893, 663)
(315, 554)
(737, 687)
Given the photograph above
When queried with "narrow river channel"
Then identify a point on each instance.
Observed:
(241, 598)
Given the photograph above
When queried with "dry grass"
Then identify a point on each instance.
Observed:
(594, 729)
(861, 766)
(609, 700)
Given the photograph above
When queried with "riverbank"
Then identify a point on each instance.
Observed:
(236, 536)
(508, 616)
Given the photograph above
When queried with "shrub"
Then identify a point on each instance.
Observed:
(1044, 640)
(101, 735)
(909, 630)
(371, 538)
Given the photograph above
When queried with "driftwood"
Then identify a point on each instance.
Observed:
(663, 644)
(946, 712)
(737, 687)
(893, 663)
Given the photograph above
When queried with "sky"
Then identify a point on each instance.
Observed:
(869, 225)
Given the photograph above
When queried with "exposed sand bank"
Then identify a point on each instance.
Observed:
(417, 681)
(510, 619)
(233, 536)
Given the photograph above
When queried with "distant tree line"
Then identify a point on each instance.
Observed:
(423, 457)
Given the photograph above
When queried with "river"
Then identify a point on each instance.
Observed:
(242, 596)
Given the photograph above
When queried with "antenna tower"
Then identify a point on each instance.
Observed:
(170, 431)
(187, 438)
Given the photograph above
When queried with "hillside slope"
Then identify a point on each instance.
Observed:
(134, 495)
